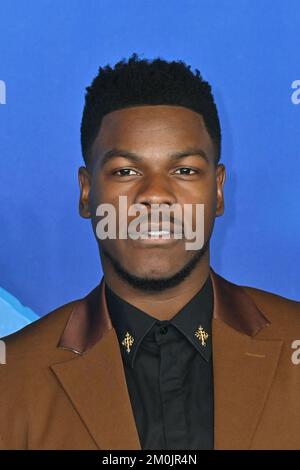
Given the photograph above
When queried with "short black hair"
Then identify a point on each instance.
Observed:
(138, 82)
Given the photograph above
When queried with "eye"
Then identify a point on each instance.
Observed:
(125, 172)
(186, 171)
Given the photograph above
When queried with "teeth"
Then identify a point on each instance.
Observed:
(159, 232)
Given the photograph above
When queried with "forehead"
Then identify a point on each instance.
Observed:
(159, 126)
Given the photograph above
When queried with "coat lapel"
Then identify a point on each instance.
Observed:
(244, 367)
(94, 378)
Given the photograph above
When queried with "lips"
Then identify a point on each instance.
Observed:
(159, 228)
(157, 231)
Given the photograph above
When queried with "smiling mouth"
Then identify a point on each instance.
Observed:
(155, 237)
(157, 233)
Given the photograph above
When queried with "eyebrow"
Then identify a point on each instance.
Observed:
(136, 158)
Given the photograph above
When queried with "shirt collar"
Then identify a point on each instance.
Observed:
(193, 321)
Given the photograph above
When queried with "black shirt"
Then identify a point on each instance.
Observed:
(169, 372)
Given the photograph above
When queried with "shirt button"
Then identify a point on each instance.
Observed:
(163, 327)
(161, 330)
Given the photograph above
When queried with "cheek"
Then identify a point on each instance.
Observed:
(209, 199)
(97, 196)
(210, 196)
(206, 194)
(210, 208)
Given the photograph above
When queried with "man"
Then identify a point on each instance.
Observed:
(164, 353)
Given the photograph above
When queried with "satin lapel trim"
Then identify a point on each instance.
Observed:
(88, 322)
(244, 369)
(235, 307)
(96, 385)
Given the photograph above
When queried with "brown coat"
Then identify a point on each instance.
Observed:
(63, 384)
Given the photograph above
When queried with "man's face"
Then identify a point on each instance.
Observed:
(153, 134)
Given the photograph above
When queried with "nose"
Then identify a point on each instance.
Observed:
(155, 190)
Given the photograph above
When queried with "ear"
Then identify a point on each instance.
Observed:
(221, 176)
(84, 179)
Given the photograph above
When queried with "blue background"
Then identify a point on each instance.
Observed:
(49, 53)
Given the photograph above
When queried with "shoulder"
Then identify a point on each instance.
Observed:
(25, 376)
(41, 335)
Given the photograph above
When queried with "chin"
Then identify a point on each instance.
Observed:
(154, 273)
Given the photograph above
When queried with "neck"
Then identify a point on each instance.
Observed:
(165, 304)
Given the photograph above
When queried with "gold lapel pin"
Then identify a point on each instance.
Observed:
(202, 335)
(128, 342)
